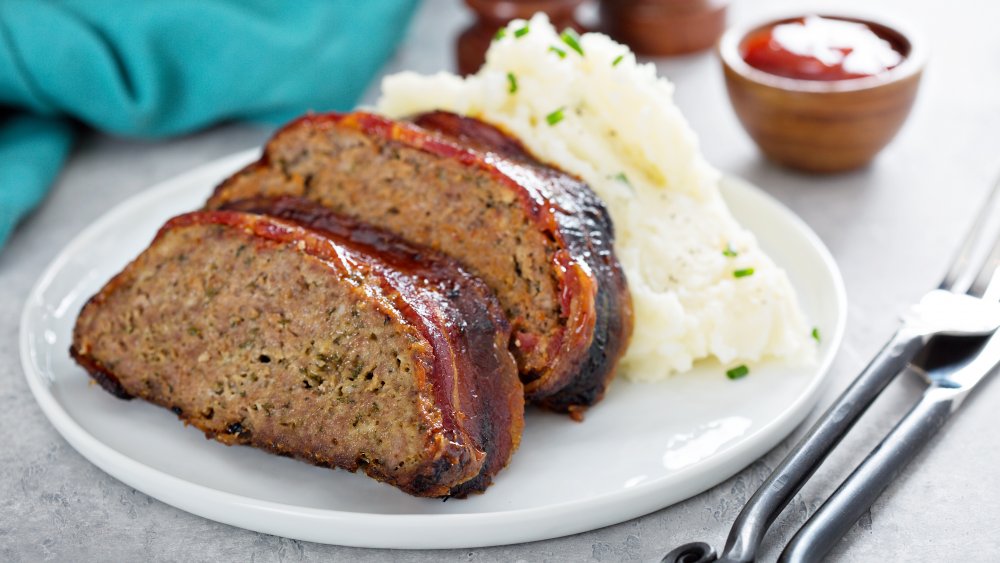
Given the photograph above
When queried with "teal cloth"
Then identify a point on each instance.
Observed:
(152, 68)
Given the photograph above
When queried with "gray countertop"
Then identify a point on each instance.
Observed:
(891, 228)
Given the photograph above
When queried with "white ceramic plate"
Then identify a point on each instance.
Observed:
(645, 447)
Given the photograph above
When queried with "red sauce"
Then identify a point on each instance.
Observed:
(816, 48)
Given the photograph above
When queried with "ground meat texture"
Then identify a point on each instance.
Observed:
(263, 332)
(538, 237)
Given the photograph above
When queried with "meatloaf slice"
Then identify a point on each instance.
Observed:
(538, 237)
(343, 351)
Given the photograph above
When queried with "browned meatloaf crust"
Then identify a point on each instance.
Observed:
(539, 238)
(340, 346)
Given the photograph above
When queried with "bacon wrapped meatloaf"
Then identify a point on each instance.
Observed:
(538, 237)
(334, 343)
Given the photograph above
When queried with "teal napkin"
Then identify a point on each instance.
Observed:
(152, 68)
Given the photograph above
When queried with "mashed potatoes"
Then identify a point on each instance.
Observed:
(701, 287)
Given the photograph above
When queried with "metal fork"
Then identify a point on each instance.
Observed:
(934, 316)
(948, 389)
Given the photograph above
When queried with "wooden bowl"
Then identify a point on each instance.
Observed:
(823, 126)
(664, 27)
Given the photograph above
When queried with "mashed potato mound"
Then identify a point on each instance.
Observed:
(611, 121)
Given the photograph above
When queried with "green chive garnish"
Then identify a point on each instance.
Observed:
(522, 32)
(738, 372)
(572, 38)
(512, 80)
(558, 51)
(815, 334)
(501, 33)
(555, 117)
(621, 177)
(743, 273)
(729, 252)
(617, 60)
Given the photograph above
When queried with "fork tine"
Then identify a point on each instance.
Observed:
(979, 249)
(985, 280)
(992, 292)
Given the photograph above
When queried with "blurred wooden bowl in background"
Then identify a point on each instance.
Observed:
(664, 27)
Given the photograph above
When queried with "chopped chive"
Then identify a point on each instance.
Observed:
(512, 80)
(501, 33)
(558, 51)
(743, 273)
(522, 32)
(572, 38)
(621, 177)
(738, 372)
(729, 252)
(815, 334)
(617, 60)
(555, 117)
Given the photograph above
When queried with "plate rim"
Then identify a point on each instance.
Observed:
(465, 530)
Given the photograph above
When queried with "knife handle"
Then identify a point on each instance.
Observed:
(856, 494)
(772, 497)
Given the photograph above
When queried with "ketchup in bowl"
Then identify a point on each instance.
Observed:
(818, 48)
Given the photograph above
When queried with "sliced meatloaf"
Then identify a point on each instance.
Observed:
(340, 346)
(538, 237)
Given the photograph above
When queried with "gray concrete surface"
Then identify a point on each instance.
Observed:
(891, 227)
